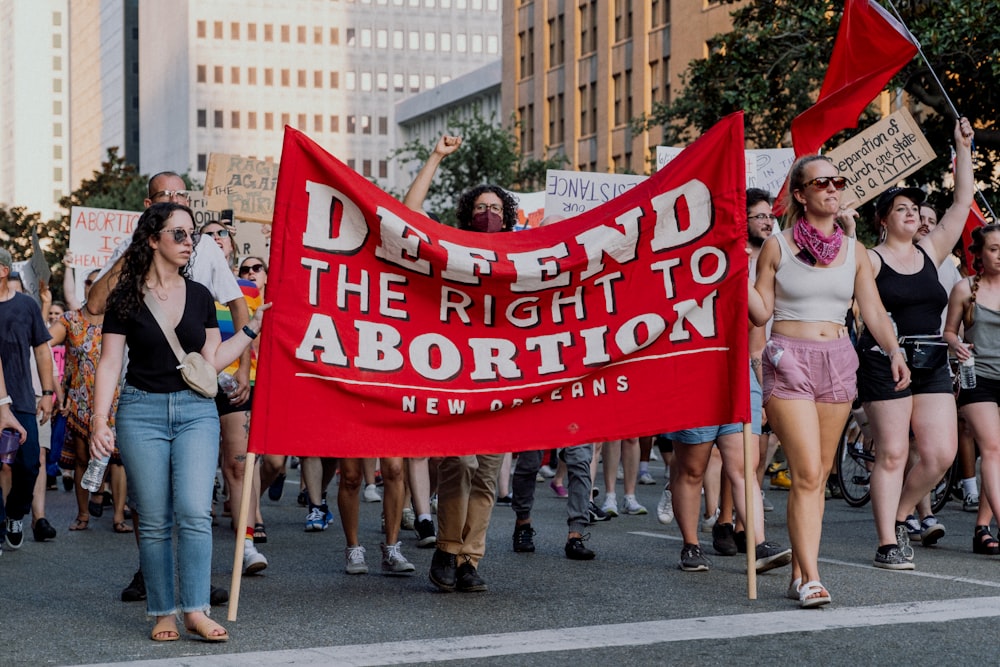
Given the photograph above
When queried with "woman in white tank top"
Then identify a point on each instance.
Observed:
(809, 363)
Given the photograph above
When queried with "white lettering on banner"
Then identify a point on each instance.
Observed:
(334, 223)
(605, 240)
(399, 243)
(386, 295)
(667, 232)
(536, 271)
(466, 265)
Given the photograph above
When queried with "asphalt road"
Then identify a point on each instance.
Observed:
(630, 606)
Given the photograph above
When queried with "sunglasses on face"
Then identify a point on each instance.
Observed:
(823, 182)
(218, 233)
(172, 194)
(181, 235)
(256, 268)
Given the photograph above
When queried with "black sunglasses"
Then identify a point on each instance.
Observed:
(256, 268)
(180, 235)
(218, 233)
(823, 182)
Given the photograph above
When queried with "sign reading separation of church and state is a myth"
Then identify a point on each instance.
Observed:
(391, 334)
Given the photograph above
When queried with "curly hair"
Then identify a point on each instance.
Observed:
(796, 181)
(127, 295)
(467, 202)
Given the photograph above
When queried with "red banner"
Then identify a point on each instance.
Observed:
(391, 334)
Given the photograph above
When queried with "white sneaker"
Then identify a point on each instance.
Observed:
(355, 560)
(371, 494)
(632, 506)
(646, 478)
(665, 508)
(393, 561)
(547, 472)
(708, 522)
(408, 520)
(610, 506)
(253, 560)
(621, 472)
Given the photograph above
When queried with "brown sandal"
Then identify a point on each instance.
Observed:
(204, 629)
(122, 527)
(167, 627)
(80, 524)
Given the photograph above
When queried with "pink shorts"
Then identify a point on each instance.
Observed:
(820, 371)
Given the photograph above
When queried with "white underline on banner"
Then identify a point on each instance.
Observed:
(519, 387)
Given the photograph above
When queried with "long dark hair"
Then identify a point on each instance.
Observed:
(467, 202)
(127, 295)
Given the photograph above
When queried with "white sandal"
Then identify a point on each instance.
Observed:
(812, 588)
(793, 589)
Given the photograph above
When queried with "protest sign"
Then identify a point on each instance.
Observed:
(393, 335)
(568, 193)
(767, 168)
(94, 233)
(530, 209)
(243, 184)
(664, 154)
(881, 156)
(251, 238)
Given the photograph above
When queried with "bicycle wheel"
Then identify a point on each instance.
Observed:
(853, 463)
(942, 490)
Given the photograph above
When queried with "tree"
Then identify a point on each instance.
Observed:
(773, 62)
(489, 154)
(118, 185)
(16, 225)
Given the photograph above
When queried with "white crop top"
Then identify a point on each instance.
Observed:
(805, 293)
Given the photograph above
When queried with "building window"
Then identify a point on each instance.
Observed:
(445, 42)
(317, 78)
(350, 80)
(300, 34)
(335, 36)
(382, 81)
(252, 32)
(234, 120)
(286, 77)
(202, 118)
(285, 119)
(527, 117)
(397, 40)
(56, 41)
(201, 29)
(623, 20)
(56, 63)
(477, 42)
(202, 75)
(301, 78)
(366, 168)
(268, 76)
(526, 46)
(268, 120)
(335, 80)
(366, 125)
(252, 76)
(557, 41)
(382, 39)
(301, 121)
(268, 32)
(397, 83)
(383, 169)
(234, 75)
(414, 83)
(588, 27)
(56, 85)
(383, 125)
(492, 44)
(460, 43)
(335, 123)
(202, 161)
(317, 122)
(659, 12)
(251, 120)
(430, 41)
(366, 81)
(286, 33)
(217, 118)
(414, 40)
(616, 83)
(429, 81)
(352, 124)
(57, 152)
(350, 37)
(350, 163)
(217, 74)
(366, 38)
(234, 30)
(317, 35)
(217, 29)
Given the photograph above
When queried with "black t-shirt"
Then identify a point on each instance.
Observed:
(152, 365)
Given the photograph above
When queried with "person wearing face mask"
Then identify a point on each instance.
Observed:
(466, 484)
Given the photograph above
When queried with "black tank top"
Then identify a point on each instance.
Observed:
(914, 301)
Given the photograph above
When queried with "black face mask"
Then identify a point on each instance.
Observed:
(486, 221)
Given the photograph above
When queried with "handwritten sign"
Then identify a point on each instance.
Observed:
(664, 154)
(94, 233)
(570, 192)
(252, 238)
(882, 155)
(243, 184)
(768, 167)
(530, 209)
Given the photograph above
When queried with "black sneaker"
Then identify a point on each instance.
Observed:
(770, 556)
(15, 533)
(136, 590)
(276, 488)
(443, 570)
(693, 559)
(891, 557)
(575, 550)
(43, 530)
(724, 539)
(522, 538)
(424, 528)
(505, 500)
(218, 596)
(740, 537)
(303, 498)
(931, 531)
(595, 513)
(468, 579)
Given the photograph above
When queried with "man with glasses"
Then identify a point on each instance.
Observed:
(209, 267)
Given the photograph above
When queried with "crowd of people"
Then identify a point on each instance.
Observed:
(172, 297)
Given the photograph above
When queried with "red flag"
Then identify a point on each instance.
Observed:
(975, 219)
(391, 334)
(871, 47)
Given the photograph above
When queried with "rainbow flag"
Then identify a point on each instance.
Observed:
(253, 298)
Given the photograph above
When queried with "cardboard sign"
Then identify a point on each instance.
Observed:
(881, 156)
(94, 233)
(243, 184)
(252, 238)
(530, 209)
(767, 168)
(568, 193)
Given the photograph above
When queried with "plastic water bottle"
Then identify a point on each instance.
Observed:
(967, 373)
(94, 475)
(228, 384)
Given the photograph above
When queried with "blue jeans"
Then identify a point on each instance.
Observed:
(170, 447)
(24, 472)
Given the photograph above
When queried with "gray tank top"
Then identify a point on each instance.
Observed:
(983, 335)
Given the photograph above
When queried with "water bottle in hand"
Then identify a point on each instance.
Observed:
(228, 384)
(94, 475)
(967, 373)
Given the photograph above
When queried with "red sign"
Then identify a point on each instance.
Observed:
(391, 334)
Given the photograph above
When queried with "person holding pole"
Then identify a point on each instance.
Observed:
(807, 276)
(167, 433)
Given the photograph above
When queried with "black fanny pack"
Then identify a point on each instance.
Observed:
(925, 352)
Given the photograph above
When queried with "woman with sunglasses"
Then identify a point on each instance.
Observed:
(807, 275)
(234, 408)
(167, 433)
(906, 274)
(80, 330)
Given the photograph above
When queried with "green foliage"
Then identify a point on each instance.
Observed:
(773, 62)
(118, 185)
(489, 154)
(16, 225)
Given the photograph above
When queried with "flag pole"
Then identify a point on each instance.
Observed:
(749, 519)
(243, 515)
(944, 92)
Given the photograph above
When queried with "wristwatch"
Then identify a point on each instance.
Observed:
(6, 400)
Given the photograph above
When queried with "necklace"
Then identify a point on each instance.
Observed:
(161, 297)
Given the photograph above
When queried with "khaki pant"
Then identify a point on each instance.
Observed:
(466, 495)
